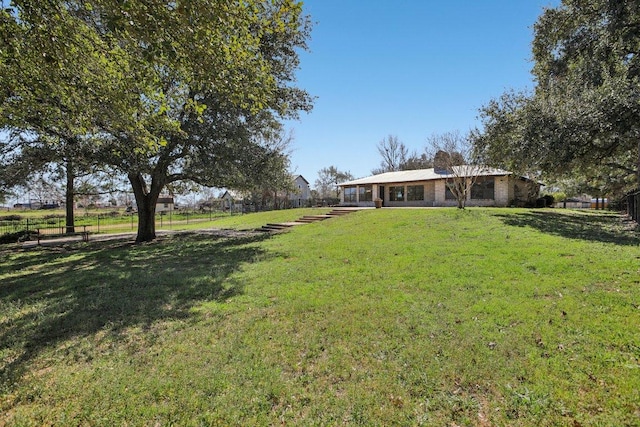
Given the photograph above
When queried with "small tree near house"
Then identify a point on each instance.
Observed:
(453, 156)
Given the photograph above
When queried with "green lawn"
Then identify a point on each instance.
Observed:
(384, 317)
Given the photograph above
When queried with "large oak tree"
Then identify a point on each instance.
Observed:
(163, 91)
(583, 117)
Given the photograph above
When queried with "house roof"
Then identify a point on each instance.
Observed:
(300, 176)
(425, 175)
(231, 194)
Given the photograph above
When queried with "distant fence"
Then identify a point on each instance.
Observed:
(52, 226)
(633, 205)
(98, 223)
(30, 225)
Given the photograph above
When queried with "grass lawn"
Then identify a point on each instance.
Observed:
(438, 317)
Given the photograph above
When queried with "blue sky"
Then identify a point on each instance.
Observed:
(409, 68)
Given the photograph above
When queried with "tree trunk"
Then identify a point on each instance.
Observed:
(146, 220)
(146, 201)
(461, 202)
(69, 196)
(461, 192)
(638, 166)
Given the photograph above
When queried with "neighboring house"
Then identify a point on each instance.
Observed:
(584, 202)
(228, 200)
(231, 201)
(427, 187)
(301, 193)
(165, 204)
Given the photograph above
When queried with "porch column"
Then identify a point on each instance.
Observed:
(440, 188)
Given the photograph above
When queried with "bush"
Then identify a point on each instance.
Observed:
(18, 236)
(617, 205)
(53, 216)
(549, 200)
(10, 218)
(545, 201)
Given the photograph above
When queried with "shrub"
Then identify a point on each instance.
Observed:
(18, 236)
(53, 216)
(544, 201)
(10, 218)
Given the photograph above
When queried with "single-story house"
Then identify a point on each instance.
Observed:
(428, 187)
(301, 193)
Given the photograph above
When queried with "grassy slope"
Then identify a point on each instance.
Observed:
(258, 219)
(436, 317)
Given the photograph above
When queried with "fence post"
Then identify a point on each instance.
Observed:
(633, 205)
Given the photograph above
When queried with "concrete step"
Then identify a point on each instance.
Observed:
(316, 217)
(307, 219)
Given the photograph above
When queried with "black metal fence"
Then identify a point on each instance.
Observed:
(53, 226)
(102, 223)
(31, 225)
(633, 205)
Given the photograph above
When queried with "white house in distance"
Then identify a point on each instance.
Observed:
(427, 187)
(165, 204)
(231, 201)
(301, 194)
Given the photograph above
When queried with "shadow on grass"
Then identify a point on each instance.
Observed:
(597, 227)
(51, 295)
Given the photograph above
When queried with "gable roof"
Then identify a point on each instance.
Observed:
(230, 194)
(424, 175)
(300, 176)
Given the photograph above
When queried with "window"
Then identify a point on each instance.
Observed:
(396, 194)
(415, 192)
(448, 194)
(365, 194)
(483, 188)
(350, 194)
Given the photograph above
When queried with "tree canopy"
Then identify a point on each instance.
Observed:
(583, 117)
(396, 156)
(162, 91)
(328, 179)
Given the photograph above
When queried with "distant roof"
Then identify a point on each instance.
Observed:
(424, 175)
(300, 176)
(232, 194)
